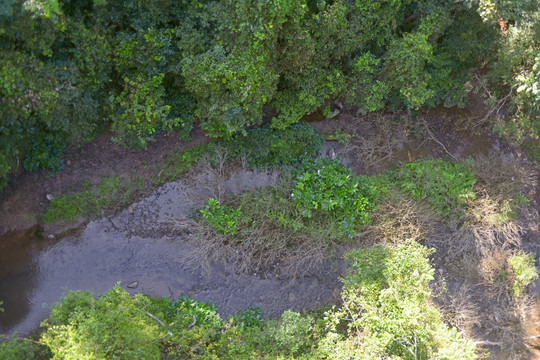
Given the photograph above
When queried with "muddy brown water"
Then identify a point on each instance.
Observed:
(138, 245)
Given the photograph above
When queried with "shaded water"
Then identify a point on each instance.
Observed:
(138, 245)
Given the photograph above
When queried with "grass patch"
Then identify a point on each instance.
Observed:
(524, 271)
(177, 164)
(446, 186)
(114, 191)
(111, 191)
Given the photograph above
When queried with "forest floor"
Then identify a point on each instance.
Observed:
(370, 145)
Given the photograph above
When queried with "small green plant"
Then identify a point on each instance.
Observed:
(325, 186)
(446, 186)
(187, 311)
(524, 270)
(342, 136)
(223, 218)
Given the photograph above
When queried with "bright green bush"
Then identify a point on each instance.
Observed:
(114, 325)
(223, 218)
(293, 333)
(183, 310)
(444, 185)
(387, 312)
(325, 186)
(252, 316)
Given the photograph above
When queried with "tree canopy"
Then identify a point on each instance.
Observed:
(74, 68)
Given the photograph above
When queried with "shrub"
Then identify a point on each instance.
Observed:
(387, 312)
(293, 333)
(115, 325)
(325, 186)
(47, 152)
(223, 218)
(188, 312)
(252, 316)
(13, 348)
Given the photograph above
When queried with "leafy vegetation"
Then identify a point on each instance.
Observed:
(109, 192)
(266, 147)
(444, 185)
(223, 218)
(135, 68)
(324, 185)
(386, 309)
(16, 349)
(259, 148)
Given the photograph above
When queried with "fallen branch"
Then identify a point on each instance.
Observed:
(437, 141)
(160, 323)
(34, 341)
(193, 323)
(490, 343)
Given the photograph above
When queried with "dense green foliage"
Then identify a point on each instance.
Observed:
(266, 147)
(73, 69)
(324, 185)
(386, 304)
(16, 349)
(223, 218)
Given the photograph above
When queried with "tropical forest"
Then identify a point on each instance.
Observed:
(269, 179)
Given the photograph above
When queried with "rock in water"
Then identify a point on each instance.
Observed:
(133, 285)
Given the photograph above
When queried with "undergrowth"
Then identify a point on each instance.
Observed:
(266, 147)
(308, 213)
(114, 191)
